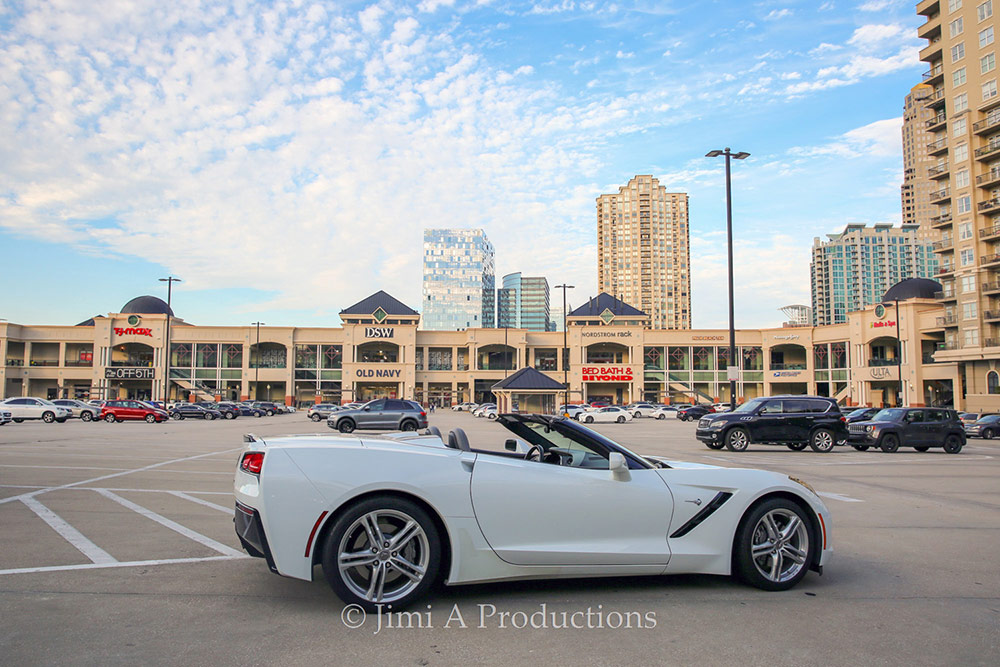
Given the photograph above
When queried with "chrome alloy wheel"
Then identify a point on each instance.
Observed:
(780, 545)
(383, 556)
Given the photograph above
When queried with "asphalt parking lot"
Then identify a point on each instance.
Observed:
(118, 548)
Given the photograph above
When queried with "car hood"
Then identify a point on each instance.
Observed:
(872, 422)
(678, 464)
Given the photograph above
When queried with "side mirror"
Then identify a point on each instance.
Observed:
(367, 409)
(619, 467)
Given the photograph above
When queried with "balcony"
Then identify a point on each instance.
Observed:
(947, 241)
(989, 205)
(945, 295)
(945, 269)
(985, 125)
(987, 260)
(931, 52)
(928, 358)
(947, 321)
(985, 153)
(883, 362)
(947, 345)
(940, 220)
(989, 179)
(991, 288)
(937, 147)
(944, 194)
(937, 123)
(991, 342)
(991, 103)
(938, 171)
(990, 232)
(991, 315)
(935, 74)
(930, 30)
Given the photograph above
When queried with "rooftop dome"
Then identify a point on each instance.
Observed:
(912, 288)
(147, 305)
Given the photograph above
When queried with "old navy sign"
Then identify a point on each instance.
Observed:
(379, 332)
(607, 374)
(378, 373)
(133, 331)
(129, 373)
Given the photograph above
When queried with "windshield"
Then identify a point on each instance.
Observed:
(857, 413)
(749, 406)
(889, 415)
(989, 419)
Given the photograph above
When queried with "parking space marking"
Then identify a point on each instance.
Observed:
(14, 465)
(172, 525)
(180, 494)
(837, 496)
(127, 563)
(95, 553)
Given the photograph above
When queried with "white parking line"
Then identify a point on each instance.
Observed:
(172, 525)
(95, 553)
(128, 563)
(181, 494)
(840, 497)
(14, 465)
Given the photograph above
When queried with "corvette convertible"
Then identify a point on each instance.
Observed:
(388, 516)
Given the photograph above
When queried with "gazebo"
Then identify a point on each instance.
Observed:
(528, 390)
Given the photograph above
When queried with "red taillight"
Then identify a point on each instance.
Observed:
(843, 419)
(252, 462)
(423, 414)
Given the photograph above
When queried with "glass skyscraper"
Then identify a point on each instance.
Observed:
(459, 290)
(523, 303)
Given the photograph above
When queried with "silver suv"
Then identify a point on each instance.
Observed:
(321, 411)
(388, 414)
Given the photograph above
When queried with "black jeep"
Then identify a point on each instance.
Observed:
(920, 428)
(793, 421)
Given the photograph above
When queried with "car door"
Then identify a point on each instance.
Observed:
(935, 425)
(370, 416)
(534, 513)
(392, 413)
(914, 429)
(768, 425)
(797, 419)
(18, 408)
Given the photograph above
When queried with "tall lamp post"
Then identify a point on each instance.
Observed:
(256, 366)
(733, 361)
(899, 351)
(169, 280)
(562, 354)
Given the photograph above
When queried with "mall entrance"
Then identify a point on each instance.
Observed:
(615, 393)
(133, 390)
(369, 391)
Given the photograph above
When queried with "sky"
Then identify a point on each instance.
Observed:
(284, 158)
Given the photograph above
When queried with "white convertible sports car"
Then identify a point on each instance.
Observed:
(388, 515)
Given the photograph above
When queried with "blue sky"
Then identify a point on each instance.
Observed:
(283, 158)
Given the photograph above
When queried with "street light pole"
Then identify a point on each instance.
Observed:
(899, 355)
(170, 280)
(562, 354)
(729, 236)
(256, 366)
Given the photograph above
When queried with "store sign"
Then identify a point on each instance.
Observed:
(606, 334)
(883, 323)
(129, 373)
(378, 373)
(708, 338)
(607, 374)
(786, 374)
(379, 332)
(133, 331)
(880, 373)
(786, 337)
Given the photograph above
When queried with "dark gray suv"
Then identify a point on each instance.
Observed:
(385, 414)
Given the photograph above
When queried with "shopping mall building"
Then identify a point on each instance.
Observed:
(380, 350)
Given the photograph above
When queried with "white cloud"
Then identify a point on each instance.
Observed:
(877, 34)
(370, 19)
(879, 139)
(622, 55)
(553, 8)
(877, 5)
(776, 14)
(433, 5)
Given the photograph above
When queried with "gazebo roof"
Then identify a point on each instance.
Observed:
(529, 379)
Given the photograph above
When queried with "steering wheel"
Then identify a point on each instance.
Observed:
(532, 450)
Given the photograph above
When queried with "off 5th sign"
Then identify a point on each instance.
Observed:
(607, 374)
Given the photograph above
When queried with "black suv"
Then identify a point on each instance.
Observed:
(920, 428)
(793, 421)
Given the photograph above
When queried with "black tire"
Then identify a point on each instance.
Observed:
(796, 446)
(269, 413)
(330, 556)
(176, 415)
(210, 418)
(737, 439)
(889, 443)
(822, 441)
(86, 416)
(685, 418)
(987, 434)
(953, 444)
(230, 415)
(860, 448)
(744, 567)
(637, 414)
(408, 425)
(921, 448)
(48, 417)
(661, 416)
(18, 420)
(345, 426)
(258, 414)
(110, 418)
(715, 445)
(588, 419)
(62, 420)
(316, 417)
(621, 419)
(150, 419)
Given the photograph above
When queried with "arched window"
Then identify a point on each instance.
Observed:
(993, 382)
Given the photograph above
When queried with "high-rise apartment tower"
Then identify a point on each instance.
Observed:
(459, 290)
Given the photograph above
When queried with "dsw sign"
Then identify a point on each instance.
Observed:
(378, 332)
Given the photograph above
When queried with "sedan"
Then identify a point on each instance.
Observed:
(35, 408)
(227, 410)
(861, 414)
(119, 411)
(480, 411)
(664, 412)
(987, 427)
(641, 409)
(82, 411)
(188, 410)
(696, 412)
(472, 515)
(464, 407)
(571, 411)
(609, 414)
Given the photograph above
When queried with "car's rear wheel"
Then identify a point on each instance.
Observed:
(316, 417)
(637, 414)
(921, 449)
(860, 448)
(774, 546)
(258, 414)
(715, 445)
(953, 444)
(382, 551)
(230, 415)
(86, 416)
(589, 419)
(796, 446)
(408, 425)
(621, 419)
(210, 417)
(110, 418)
(889, 444)
(822, 441)
(987, 434)
(48, 417)
(345, 426)
(661, 416)
(150, 419)
(269, 413)
(737, 440)
(18, 420)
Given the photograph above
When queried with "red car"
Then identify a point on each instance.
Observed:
(116, 411)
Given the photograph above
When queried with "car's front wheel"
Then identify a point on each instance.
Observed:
(953, 444)
(150, 419)
(987, 434)
(796, 446)
(661, 416)
(620, 420)
(86, 416)
(48, 417)
(890, 443)
(822, 441)
(715, 445)
(382, 551)
(345, 426)
(737, 440)
(774, 546)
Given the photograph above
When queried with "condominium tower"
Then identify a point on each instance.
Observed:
(962, 53)
(643, 255)
(523, 303)
(917, 158)
(459, 290)
(853, 269)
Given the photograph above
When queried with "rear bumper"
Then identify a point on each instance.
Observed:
(250, 530)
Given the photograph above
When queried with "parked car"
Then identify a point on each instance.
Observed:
(321, 411)
(987, 427)
(664, 412)
(643, 515)
(597, 405)
(383, 413)
(227, 410)
(971, 417)
(483, 407)
(464, 407)
(270, 409)
(570, 410)
(192, 411)
(78, 409)
(608, 414)
(694, 412)
(793, 421)
(29, 407)
(861, 414)
(5, 416)
(119, 411)
(920, 428)
(248, 410)
(641, 409)
(721, 407)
